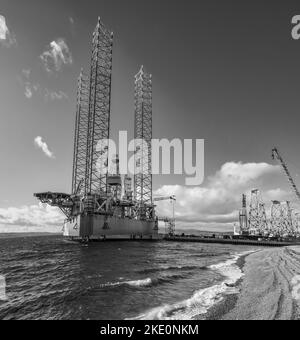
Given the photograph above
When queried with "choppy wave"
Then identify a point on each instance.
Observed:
(49, 279)
(168, 268)
(203, 299)
(148, 282)
(205, 255)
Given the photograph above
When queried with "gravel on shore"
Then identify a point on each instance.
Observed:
(269, 290)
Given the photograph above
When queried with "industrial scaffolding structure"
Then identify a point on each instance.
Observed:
(283, 221)
(257, 215)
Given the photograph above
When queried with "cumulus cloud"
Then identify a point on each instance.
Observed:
(43, 146)
(56, 56)
(216, 204)
(3, 28)
(35, 218)
(6, 37)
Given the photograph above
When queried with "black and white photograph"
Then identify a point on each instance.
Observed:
(149, 163)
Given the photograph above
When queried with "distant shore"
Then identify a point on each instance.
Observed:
(20, 235)
(268, 290)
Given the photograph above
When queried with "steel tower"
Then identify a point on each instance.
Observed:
(99, 110)
(143, 137)
(244, 216)
(81, 134)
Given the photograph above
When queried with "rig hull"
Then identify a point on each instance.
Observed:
(99, 227)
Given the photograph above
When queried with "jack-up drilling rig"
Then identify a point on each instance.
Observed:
(96, 209)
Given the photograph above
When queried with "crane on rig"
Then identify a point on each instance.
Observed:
(277, 156)
(171, 198)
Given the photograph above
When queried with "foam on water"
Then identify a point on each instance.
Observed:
(140, 283)
(203, 299)
(133, 283)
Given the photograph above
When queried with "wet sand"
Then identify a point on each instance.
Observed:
(270, 289)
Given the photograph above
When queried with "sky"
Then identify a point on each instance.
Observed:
(224, 71)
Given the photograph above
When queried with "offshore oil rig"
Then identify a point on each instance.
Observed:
(103, 205)
(283, 222)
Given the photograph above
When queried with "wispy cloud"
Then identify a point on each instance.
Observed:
(29, 87)
(7, 38)
(43, 146)
(56, 56)
(55, 95)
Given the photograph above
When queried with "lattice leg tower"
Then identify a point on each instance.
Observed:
(143, 137)
(81, 133)
(99, 109)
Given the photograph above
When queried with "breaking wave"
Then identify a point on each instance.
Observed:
(203, 299)
(148, 282)
(168, 268)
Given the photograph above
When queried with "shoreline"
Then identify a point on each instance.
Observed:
(4, 236)
(228, 303)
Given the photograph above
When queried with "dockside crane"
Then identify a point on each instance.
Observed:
(277, 156)
(170, 223)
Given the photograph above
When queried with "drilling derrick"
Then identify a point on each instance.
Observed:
(99, 110)
(81, 135)
(258, 224)
(143, 137)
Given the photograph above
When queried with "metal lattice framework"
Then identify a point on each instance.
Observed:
(277, 220)
(287, 213)
(258, 223)
(296, 221)
(99, 110)
(81, 133)
(143, 137)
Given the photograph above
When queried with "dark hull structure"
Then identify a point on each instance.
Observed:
(99, 227)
